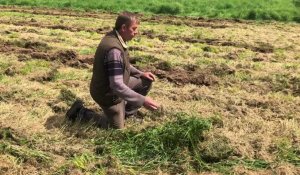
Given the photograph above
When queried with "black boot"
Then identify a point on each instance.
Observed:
(75, 108)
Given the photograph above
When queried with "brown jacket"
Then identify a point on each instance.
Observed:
(99, 87)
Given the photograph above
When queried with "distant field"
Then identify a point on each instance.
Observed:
(279, 10)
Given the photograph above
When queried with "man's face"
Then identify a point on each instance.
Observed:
(128, 32)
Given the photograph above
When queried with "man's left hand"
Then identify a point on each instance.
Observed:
(149, 76)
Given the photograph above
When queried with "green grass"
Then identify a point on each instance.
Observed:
(287, 152)
(35, 65)
(280, 10)
(23, 154)
(81, 161)
(169, 145)
(68, 96)
(177, 146)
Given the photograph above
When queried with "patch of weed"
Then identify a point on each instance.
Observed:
(165, 65)
(279, 55)
(227, 165)
(204, 62)
(291, 66)
(210, 49)
(87, 51)
(19, 147)
(285, 83)
(34, 65)
(243, 76)
(67, 96)
(24, 154)
(144, 60)
(257, 66)
(173, 8)
(4, 66)
(82, 161)
(287, 152)
(7, 134)
(72, 74)
(215, 150)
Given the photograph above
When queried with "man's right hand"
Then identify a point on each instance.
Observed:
(150, 104)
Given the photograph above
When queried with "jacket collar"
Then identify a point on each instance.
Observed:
(125, 46)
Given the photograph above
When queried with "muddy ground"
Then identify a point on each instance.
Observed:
(244, 75)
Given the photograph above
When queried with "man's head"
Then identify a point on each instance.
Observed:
(127, 25)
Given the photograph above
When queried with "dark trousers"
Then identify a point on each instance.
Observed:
(114, 116)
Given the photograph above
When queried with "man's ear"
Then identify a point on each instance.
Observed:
(123, 27)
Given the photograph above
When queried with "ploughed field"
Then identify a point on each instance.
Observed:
(229, 91)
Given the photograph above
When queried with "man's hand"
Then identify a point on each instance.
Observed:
(150, 104)
(149, 76)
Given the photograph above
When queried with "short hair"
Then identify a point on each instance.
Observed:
(125, 18)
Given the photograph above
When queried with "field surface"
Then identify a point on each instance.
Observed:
(229, 91)
(278, 10)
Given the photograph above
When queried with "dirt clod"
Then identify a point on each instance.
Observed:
(222, 69)
(23, 57)
(49, 76)
(258, 59)
(33, 20)
(181, 77)
(36, 45)
(66, 55)
(232, 56)
(40, 55)
(11, 71)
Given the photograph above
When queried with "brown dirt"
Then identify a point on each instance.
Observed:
(47, 26)
(102, 30)
(256, 88)
(193, 22)
(261, 48)
(36, 45)
(34, 50)
(172, 20)
(182, 77)
(186, 74)
(220, 69)
(137, 48)
(69, 58)
(53, 12)
(232, 56)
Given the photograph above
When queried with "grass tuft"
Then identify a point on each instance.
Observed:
(287, 152)
(67, 96)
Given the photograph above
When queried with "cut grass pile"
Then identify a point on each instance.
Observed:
(172, 144)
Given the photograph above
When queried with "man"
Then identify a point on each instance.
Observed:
(119, 88)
